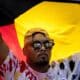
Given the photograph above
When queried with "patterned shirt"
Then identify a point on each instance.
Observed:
(12, 69)
(68, 69)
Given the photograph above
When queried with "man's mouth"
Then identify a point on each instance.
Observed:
(43, 55)
(42, 58)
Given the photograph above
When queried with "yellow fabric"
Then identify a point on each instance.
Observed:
(60, 20)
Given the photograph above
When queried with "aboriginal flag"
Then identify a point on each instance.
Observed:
(60, 19)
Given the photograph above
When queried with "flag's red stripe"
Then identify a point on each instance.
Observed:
(10, 37)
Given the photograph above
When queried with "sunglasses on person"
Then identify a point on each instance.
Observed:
(37, 45)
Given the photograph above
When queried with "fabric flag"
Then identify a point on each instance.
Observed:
(9, 35)
(60, 20)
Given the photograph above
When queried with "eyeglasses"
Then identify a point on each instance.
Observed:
(37, 45)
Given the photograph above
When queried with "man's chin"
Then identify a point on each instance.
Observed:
(42, 63)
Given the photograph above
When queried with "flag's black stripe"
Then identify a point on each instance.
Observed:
(10, 9)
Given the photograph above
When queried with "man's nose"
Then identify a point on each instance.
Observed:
(43, 48)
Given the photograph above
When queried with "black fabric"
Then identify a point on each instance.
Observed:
(79, 77)
(10, 9)
(74, 76)
(62, 66)
(71, 65)
(67, 1)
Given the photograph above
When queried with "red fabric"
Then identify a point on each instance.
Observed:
(9, 35)
(13, 69)
(1, 78)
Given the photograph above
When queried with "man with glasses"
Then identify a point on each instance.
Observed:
(37, 49)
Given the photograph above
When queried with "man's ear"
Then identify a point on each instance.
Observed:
(25, 51)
